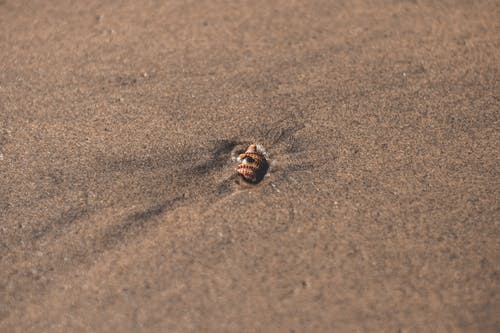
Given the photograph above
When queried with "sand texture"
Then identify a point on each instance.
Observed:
(120, 207)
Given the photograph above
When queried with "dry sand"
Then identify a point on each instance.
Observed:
(119, 206)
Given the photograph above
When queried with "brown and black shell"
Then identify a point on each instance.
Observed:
(253, 164)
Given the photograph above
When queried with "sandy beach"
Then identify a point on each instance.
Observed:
(120, 207)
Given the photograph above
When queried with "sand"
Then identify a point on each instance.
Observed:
(120, 208)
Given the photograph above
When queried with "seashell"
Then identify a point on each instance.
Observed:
(253, 164)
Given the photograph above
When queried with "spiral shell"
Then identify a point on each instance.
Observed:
(253, 164)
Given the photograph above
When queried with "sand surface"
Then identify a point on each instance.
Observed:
(120, 210)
